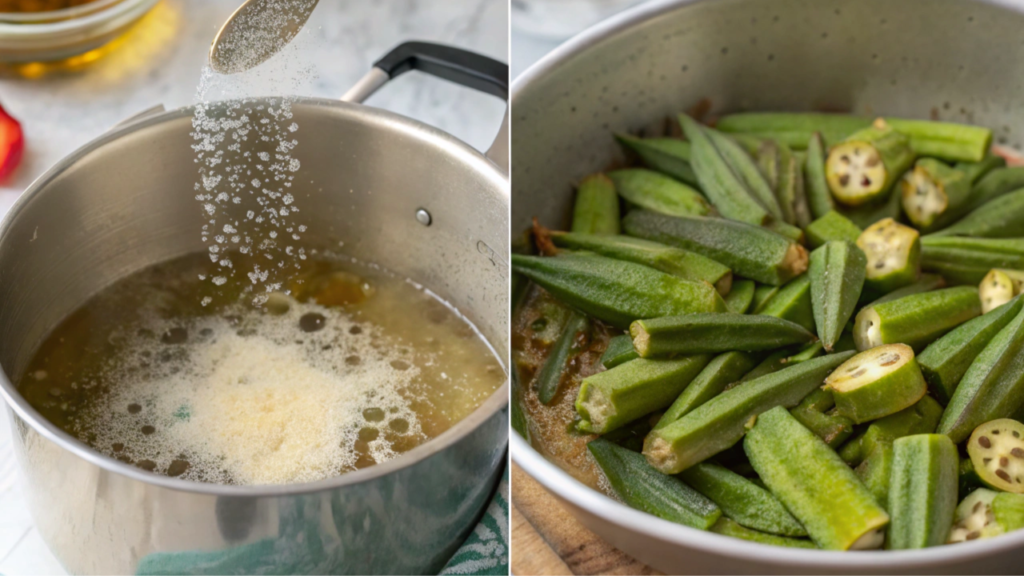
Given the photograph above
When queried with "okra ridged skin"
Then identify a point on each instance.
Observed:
(614, 291)
(667, 155)
(763, 293)
(723, 186)
(675, 261)
(836, 272)
(790, 191)
(831, 226)
(867, 214)
(813, 483)
(619, 351)
(654, 191)
(746, 168)
(916, 320)
(921, 418)
(945, 361)
(715, 332)
(815, 413)
(922, 491)
(967, 260)
(732, 529)
(741, 500)
(975, 171)
(720, 422)
(643, 488)
(749, 251)
(924, 283)
(792, 302)
(944, 140)
(597, 206)
(550, 375)
(992, 387)
(613, 398)
(721, 371)
(875, 470)
(819, 197)
(740, 296)
(1003, 217)
(995, 184)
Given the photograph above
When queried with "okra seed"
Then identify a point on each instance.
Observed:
(860, 372)
(995, 432)
(977, 507)
(1002, 474)
(1017, 453)
(865, 181)
(845, 159)
(986, 460)
(1016, 434)
(1004, 461)
(985, 442)
(973, 535)
(844, 179)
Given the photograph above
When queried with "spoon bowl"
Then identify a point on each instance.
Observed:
(256, 31)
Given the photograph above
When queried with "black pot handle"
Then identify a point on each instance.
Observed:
(463, 67)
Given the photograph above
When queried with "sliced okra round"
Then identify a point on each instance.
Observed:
(931, 190)
(995, 289)
(974, 518)
(877, 382)
(894, 255)
(864, 166)
(996, 449)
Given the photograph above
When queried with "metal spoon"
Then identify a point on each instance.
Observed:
(257, 31)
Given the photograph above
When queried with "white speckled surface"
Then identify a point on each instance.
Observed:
(160, 61)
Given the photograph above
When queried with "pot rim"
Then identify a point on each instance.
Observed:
(571, 490)
(409, 127)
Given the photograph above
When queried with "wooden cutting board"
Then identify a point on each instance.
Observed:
(548, 540)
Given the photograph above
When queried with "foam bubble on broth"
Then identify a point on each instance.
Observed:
(261, 403)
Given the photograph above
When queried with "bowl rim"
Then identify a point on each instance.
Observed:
(407, 127)
(567, 488)
(118, 11)
(44, 16)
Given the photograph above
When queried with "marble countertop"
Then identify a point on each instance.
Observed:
(160, 61)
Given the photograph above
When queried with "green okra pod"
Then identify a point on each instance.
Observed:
(894, 255)
(669, 156)
(943, 140)
(749, 251)
(922, 491)
(654, 191)
(945, 361)
(865, 215)
(740, 296)
(614, 291)
(597, 206)
(831, 226)
(975, 171)
(721, 371)
(837, 272)
(720, 422)
(670, 260)
(933, 192)
(772, 363)
(727, 527)
(716, 332)
(814, 413)
(877, 382)
(994, 184)
(741, 500)
(790, 190)
(1008, 509)
(646, 489)
(747, 169)
(763, 293)
(916, 320)
(574, 336)
(791, 302)
(968, 260)
(865, 166)
(921, 418)
(924, 283)
(996, 449)
(1002, 217)
(768, 162)
(992, 387)
(819, 197)
(875, 471)
(619, 351)
(726, 189)
(840, 513)
(610, 399)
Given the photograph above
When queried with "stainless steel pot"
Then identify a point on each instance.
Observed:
(125, 201)
(951, 59)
